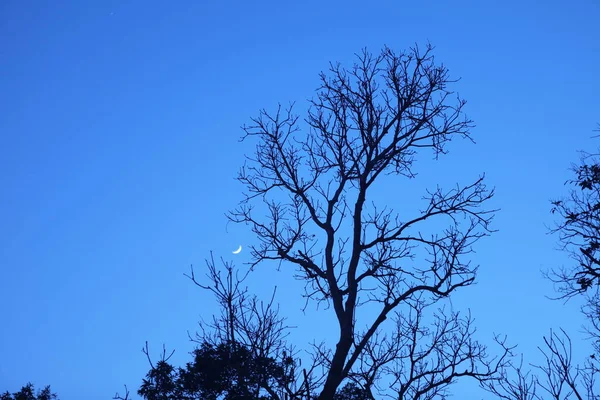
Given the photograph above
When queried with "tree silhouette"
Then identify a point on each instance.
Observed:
(307, 202)
(578, 229)
(558, 377)
(249, 337)
(27, 392)
(579, 235)
(241, 354)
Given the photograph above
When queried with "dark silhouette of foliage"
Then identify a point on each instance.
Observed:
(352, 392)
(28, 392)
(161, 381)
(579, 231)
(227, 372)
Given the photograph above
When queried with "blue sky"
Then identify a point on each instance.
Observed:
(119, 144)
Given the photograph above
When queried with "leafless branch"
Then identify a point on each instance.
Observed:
(119, 397)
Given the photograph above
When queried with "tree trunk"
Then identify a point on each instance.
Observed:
(335, 377)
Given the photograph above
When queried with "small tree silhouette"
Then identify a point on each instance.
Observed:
(27, 392)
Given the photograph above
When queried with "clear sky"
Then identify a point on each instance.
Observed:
(119, 144)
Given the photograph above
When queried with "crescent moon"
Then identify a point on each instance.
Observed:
(238, 250)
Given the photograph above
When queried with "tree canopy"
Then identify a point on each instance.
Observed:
(28, 392)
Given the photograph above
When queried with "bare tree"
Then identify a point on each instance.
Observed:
(514, 383)
(558, 377)
(312, 188)
(560, 374)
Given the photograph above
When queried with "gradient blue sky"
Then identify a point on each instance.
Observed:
(119, 144)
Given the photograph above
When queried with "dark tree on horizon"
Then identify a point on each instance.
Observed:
(307, 200)
(28, 392)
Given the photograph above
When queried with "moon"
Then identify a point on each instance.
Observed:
(238, 250)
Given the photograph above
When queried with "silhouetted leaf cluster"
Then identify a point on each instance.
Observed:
(225, 372)
(579, 230)
(28, 392)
